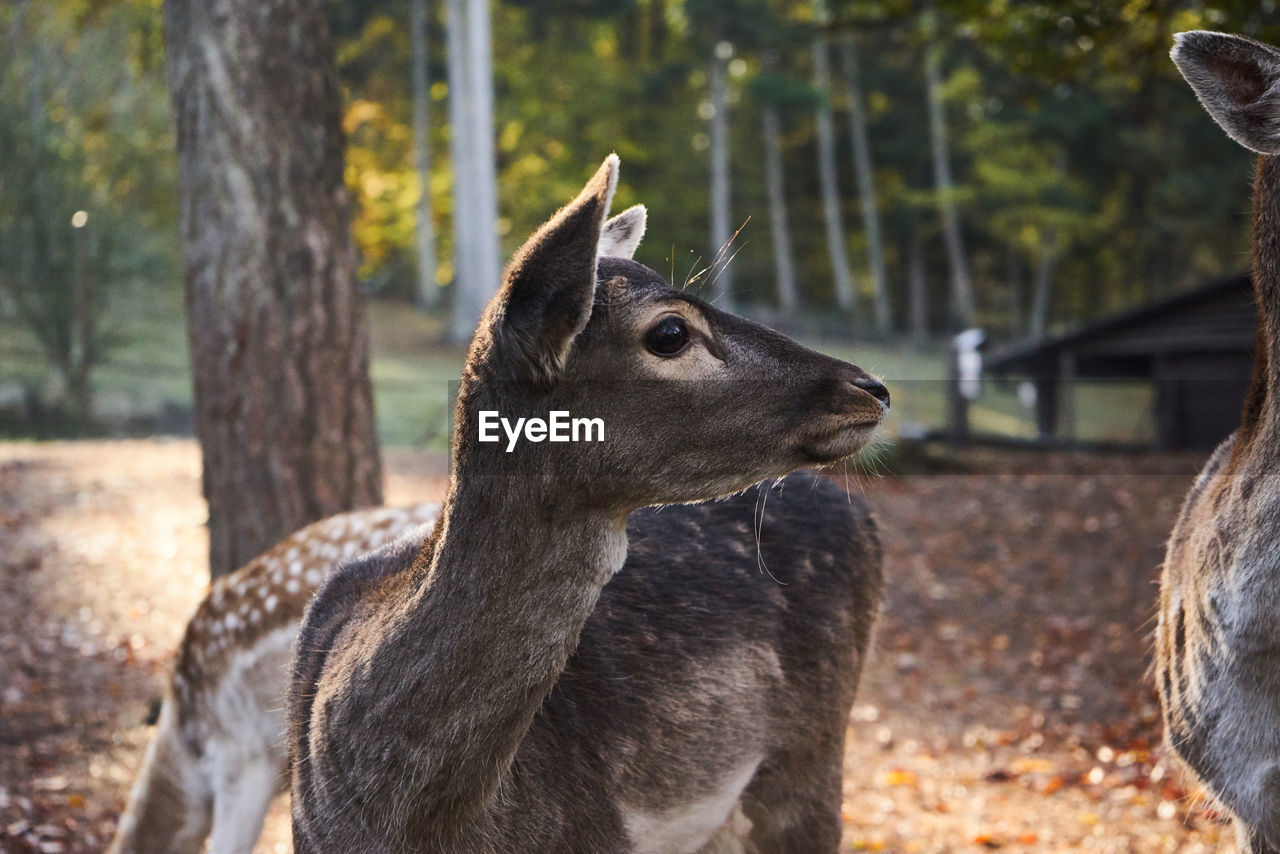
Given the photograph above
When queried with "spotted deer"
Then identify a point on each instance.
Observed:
(218, 756)
(556, 668)
(1218, 637)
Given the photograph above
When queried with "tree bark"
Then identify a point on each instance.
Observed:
(279, 347)
(780, 230)
(461, 154)
(425, 233)
(866, 185)
(828, 178)
(474, 108)
(962, 305)
(1013, 272)
(721, 230)
(489, 250)
(916, 286)
(1042, 287)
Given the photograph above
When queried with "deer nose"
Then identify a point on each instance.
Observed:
(875, 388)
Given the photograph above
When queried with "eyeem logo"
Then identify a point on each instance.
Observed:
(558, 427)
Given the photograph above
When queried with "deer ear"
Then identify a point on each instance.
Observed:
(550, 284)
(1238, 82)
(623, 233)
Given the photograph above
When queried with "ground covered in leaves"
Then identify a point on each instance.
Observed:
(1005, 706)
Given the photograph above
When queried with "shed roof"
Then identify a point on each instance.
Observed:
(1218, 317)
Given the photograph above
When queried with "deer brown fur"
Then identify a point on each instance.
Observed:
(545, 674)
(1218, 638)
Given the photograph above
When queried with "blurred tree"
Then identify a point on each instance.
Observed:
(428, 292)
(962, 301)
(279, 347)
(768, 93)
(721, 271)
(828, 173)
(866, 185)
(84, 207)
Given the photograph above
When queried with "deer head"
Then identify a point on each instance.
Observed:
(695, 402)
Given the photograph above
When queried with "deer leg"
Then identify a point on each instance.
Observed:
(242, 796)
(168, 810)
(794, 803)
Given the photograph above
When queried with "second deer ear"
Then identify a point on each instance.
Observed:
(623, 233)
(1238, 82)
(550, 285)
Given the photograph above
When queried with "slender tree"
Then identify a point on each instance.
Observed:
(1042, 282)
(279, 348)
(866, 184)
(425, 233)
(962, 305)
(485, 163)
(779, 229)
(721, 230)
(829, 177)
(475, 185)
(461, 154)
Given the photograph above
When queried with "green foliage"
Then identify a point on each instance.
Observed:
(86, 130)
(1071, 135)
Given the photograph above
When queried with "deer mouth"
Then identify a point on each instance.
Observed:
(834, 437)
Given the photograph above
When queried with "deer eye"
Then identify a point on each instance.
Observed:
(668, 336)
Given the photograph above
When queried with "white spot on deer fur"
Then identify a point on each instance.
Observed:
(291, 555)
(263, 591)
(314, 576)
(295, 567)
(255, 617)
(687, 828)
(291, 586)
(349, 549)
(270, 604)
(232, 622)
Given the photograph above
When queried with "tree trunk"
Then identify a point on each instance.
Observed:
(866, 185)
(84, 326)
(279, 348)
(962, 305)
(461, 154)
(1042, 285)
(780, 230)
(721, 230)
(1013, 272)
(428, 292)
(482, 180)
(489, 250)
(828, 178)
(916, 286)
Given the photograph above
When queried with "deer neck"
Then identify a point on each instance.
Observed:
(1260, 426)
(493, 614)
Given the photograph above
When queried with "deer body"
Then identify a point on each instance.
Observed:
(1218, 638)
(545, 674)
(219, 755)
(629, 708)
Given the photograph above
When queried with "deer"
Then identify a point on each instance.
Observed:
(218, 758)
(649, 643)
(1217, 638)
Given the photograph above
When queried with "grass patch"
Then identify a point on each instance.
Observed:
(147, 369)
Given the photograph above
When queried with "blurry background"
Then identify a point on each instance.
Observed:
(895, 172)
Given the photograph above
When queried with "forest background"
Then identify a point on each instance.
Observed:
(890, 171)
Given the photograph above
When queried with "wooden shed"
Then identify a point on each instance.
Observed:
(1196, 347)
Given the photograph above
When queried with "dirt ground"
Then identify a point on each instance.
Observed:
(1005, 705)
